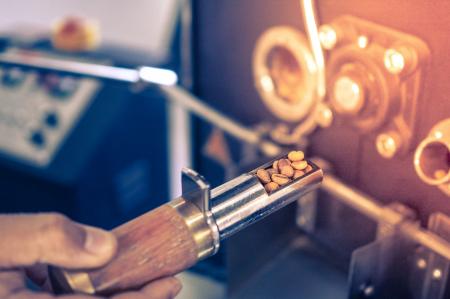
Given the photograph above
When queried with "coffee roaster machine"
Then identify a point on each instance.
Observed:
(359, 85)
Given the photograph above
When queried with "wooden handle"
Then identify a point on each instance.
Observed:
(159, 243)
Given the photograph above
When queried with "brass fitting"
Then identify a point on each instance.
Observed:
(432, 157)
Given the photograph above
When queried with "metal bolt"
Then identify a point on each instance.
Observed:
(437, 274)
(301, 220)
(394, 61)
(267, 83)
(327, 37)
(421, 263)
(388, 144)
(438, 134)
(367, 290)
(325, 117)
(363, 41)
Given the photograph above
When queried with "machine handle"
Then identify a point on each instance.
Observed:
(157, 244)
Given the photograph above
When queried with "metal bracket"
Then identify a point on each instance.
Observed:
(307, 205)
(197, 190)
(430, 274)
(380, 269)
(307, 212)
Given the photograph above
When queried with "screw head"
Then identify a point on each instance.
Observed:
(394, 61)
(267, 83)
(437, 274)
(387, 144)
(325, 117)
(327, 37)
(421, 263)
(363, 41)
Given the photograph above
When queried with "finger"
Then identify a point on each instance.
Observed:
(10, 281)
(12, 286)
(27, 294)
(52, 239)
(165, 288)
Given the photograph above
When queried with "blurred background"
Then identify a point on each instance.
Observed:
(360, 86)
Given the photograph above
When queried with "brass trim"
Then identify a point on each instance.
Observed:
(80, 282)
(199, 225)
(65, 282)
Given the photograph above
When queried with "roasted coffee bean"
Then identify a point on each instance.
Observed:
(280, 179)
(287, 171)
(282, 163)
(263, 176)
(296, 156)
(272, 186)
(298, 173)
(300, 165)
(272, 171)
(275, 165)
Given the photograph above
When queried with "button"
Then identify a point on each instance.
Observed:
(37, 138)
(63, 87)
(57, 85)
(13, 77)
(51, 119)
(66, 86)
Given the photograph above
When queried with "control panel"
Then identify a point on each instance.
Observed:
(38, 111)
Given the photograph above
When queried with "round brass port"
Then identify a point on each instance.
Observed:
(285, 73)
(432, 157)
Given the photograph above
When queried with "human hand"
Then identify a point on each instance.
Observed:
(28, 243)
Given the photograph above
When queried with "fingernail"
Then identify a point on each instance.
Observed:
(176, 287)
(98, 241)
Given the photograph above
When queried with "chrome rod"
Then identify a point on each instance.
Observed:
(165, 79)
(196, 106)
(374, 210)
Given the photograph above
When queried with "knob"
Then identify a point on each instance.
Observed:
(58, 86)
(12, 77)
(51, 119)
(37, 138)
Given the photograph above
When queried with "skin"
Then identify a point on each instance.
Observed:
(29, 243)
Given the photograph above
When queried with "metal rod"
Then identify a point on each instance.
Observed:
(33, 59)
(165, 79)
(196, 106)
(311, 25)
(374, 210)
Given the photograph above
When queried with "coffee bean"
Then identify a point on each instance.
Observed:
(287, 171)
(282, 163)
(271, 171)
(300, 165)
(275, 165)
(272, 186)
(296, 156)
(298, 173)
(280, 179)
(263, 176)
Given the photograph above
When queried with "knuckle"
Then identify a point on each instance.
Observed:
(55, 227)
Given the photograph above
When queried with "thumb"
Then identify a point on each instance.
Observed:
(52, 239)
